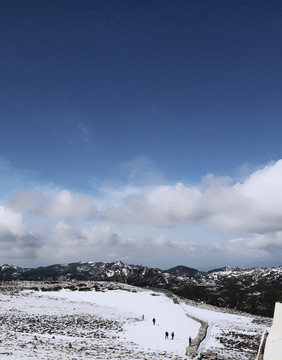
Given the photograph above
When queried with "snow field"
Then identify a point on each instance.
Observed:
(107, 324)
(169, 317)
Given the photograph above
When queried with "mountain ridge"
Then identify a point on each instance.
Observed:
(253, 290)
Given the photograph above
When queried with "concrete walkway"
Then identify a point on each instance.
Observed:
(193, 348)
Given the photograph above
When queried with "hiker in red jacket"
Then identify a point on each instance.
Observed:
(172, 335)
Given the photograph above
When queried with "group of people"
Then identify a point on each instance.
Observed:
(198, 357)
(166, 335)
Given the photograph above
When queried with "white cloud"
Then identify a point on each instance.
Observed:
(16, 241)
(264, 189)
(67, 205)
(61, 205)
(250, 206)
(163, 206)
(11, 222)
(257, 245)
(67, 243)
(152, 224)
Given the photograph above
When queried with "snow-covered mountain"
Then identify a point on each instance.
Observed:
(253, 290)
(138, 275)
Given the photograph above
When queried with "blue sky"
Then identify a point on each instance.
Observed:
(142, 131)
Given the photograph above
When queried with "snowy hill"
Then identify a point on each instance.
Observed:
(103, 320)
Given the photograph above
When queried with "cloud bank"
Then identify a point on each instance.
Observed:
(254, 205)
(242, 222)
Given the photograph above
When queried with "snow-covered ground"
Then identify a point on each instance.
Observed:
(107, 323)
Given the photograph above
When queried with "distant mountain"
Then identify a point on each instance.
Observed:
(10, 272)
(181, 270)
(252, 290)
(116, 271)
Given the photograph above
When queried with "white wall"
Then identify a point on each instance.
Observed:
(273, 346)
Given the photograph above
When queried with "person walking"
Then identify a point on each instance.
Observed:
(154, 321)
(172, 335)
(166, 335)
(190, 341)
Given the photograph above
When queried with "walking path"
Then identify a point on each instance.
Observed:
(195, 343)
(193, 349)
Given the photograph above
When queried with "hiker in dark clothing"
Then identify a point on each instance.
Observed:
(166, 335)
(154, 321)
(190, 341)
